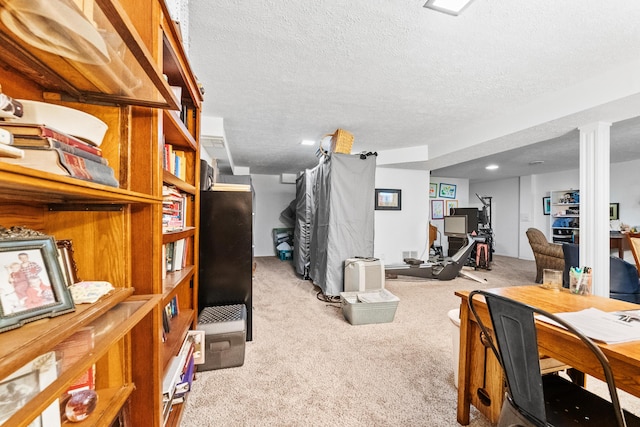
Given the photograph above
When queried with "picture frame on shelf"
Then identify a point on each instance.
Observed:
(433, 190)
(437, 209)
(447, 191)
(450, 204)
(614, 211)
(67, 262)
(546, 205)
(32, 285)
(388, 199)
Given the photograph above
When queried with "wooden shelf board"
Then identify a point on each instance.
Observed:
(185, 187)
(109, 403)
(111, 327)
(179, 327)
(18, 183)
(29, 341)
(176, 132)
(172, 236)
(173, 281)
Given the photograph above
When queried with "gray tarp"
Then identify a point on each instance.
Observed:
(343, 223)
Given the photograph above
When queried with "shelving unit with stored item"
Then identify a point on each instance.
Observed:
(565, 215)
(181, 175)
(116, 232)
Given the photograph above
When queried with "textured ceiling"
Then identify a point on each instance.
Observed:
(394, 73)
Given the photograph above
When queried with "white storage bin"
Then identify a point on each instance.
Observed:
(381, 309)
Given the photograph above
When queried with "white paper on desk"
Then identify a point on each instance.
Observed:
(600, 325)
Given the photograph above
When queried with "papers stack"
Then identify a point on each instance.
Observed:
(610, 328)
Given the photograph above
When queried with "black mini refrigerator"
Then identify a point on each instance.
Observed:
(226, 250)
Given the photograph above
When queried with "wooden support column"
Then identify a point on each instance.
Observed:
(594, 203)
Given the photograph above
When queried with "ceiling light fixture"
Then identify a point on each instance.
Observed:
(450, 7)
(307, 142)
(492, 167)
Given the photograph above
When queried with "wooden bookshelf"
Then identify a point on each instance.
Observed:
(116, 232)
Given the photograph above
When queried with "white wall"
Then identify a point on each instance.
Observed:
(462, 197)
(505, 211)
(533, 188)
(271, 198)
(406, 229)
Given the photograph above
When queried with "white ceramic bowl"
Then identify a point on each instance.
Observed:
(68, 120)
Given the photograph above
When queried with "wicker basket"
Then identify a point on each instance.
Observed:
(341, 141)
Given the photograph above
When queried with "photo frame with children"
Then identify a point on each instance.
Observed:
(32, 284)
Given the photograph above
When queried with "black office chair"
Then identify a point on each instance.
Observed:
(534, 399)
(624, 284)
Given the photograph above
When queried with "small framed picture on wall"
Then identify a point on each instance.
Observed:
(447, 191)
(437, 209)
(433, 190)
(450, 204)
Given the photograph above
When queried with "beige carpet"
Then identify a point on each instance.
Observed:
(307, 366)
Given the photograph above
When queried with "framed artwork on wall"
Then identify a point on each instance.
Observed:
(614, 211)
(448, 205)
(433, 190)
(389, 200)
(546, 205)
(437, 209)
(447, 191)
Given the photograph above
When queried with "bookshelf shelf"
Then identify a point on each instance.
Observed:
(116, 232)
(174, 280)
(169, 178)
(172, 236)
(176, 132)
(20, 183)
(179, 326)
(111, 327)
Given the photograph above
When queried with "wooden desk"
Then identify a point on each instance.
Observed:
(554, 342)
(616, 241)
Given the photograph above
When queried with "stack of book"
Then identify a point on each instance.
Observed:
(179, 377)
(174, 205)
(175, 161)
(50, 150)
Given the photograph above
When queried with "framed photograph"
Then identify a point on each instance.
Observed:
(546, 205)
(437, 209)
(614, 211)
(447, 191)
(389, 200)
(433, 190)
(67, 263)
(32, 285)
(449, 204)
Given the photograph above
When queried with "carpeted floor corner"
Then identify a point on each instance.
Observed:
(307, 366)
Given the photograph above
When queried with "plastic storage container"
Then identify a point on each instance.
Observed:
(225, 335)
(381, 307)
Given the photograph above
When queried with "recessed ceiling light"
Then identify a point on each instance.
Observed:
(307, 142)
(536, 162)
(492, 167)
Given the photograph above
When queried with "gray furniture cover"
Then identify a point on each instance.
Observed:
(337, 218)
(303, 222)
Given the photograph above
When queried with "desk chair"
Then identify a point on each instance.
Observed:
(634, 244)
(534, 399)
(624, 283)
(433, 236)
